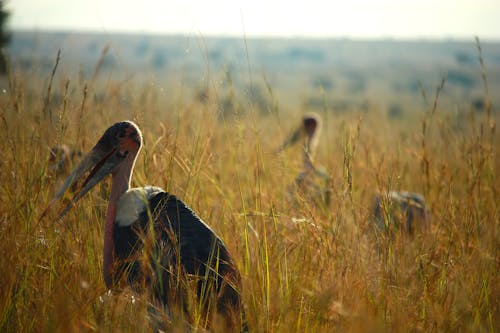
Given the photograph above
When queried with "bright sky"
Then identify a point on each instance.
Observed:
(310, 18)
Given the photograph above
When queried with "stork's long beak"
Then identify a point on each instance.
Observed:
(98, 164)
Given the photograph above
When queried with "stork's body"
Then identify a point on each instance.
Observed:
(180, 236)
(402, 209)
(150, 223)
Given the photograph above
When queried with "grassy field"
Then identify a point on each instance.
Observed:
(305, 268)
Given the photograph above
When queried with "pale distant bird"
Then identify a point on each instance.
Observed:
(152, 239)
(307, 180)
(61, 158)
(400, 210)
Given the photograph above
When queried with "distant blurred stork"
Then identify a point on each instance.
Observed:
(147, 222)
(306, 181)
(400, 209)
(61, 157)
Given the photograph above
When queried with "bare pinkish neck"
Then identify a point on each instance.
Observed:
(120, 184)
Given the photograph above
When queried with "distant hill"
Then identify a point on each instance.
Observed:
(300, 71)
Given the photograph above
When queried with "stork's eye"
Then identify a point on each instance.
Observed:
(122, 154)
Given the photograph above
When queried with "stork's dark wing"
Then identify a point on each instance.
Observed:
(194, 243)
(180, 226)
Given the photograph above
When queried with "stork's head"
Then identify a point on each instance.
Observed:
(311, 123)
(59, 159)
(115, 152)
(123, 138)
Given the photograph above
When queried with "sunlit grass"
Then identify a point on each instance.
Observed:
(305, 268)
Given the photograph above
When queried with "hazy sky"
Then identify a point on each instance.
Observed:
(327, 18)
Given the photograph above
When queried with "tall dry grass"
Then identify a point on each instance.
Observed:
(305, 268)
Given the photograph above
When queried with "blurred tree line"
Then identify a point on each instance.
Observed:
(4, 35)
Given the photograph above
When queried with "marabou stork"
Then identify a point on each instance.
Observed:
(61, 157)
(184, 249)
(309, 131)
(400, 209)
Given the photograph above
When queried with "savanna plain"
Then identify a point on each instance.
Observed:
(306, 267)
